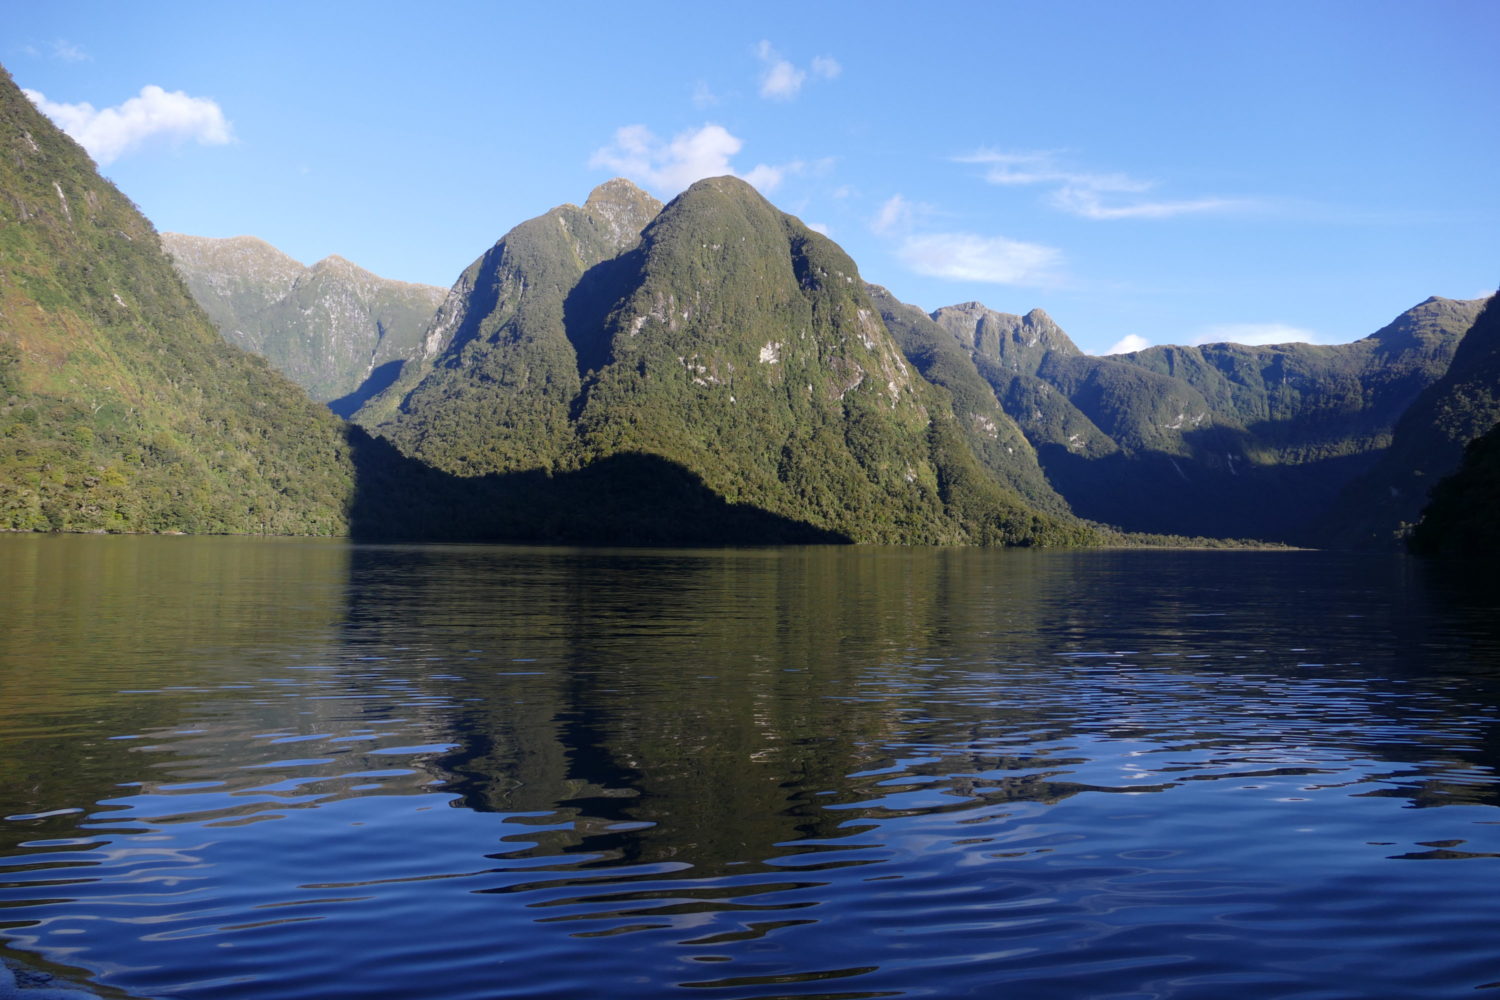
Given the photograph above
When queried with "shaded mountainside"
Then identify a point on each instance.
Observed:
(1219, 440)
(1453, 425)
(335, 329)
(718, 336)
(1463, 517)
(121, 407)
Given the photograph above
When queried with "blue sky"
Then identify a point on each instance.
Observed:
(1165, 171)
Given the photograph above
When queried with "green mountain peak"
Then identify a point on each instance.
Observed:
(724, 338)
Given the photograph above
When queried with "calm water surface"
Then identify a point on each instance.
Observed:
(297, 770)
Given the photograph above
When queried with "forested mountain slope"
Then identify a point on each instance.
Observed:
(121, 407)
(1453, 429)
(719, 335)
(1219, 440)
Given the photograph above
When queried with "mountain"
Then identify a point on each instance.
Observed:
(995, 438)
(1218, 440)
(1460, 519)
(710, 371)
(121, 407)
(716, 335)
(498, 372)
(335, 329)
(1453, 430)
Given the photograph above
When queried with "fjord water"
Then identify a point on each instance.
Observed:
(242, 768)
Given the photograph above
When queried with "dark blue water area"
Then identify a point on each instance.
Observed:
(257, 769)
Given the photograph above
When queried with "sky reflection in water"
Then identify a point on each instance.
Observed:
(289, 769)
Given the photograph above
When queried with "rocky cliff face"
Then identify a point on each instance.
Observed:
(330, 327)
(1019, 343)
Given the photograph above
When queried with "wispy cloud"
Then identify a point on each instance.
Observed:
(703, 96)
(667, 166)
(1255, 334)
(1083, 193)
(962, 256)
(827, 67)
(1089, 204)
(155, 114)
(781, 80)
(68, 52)
(1128, 344)
(990, 259)
(896, 213)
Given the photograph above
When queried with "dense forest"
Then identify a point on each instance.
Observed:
(121, 406)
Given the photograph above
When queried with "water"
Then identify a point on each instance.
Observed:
(236, 768)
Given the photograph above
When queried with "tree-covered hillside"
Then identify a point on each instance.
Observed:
(121, 407)
(1463, 517)
(719, 336)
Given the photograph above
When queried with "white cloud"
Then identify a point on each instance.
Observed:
(668, 167)
(1129, 344)
(782, 80)
(1087, 203)
(819, 227)
(766, 178)
(895, 212)
(898, 216)
(68, 52)
(703, 96)
(110, 133)
(1255, 334)
(970, 257)
(1081, 192)
(827, 67)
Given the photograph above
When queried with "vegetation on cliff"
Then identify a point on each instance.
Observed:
(718, 335)
(121, 407)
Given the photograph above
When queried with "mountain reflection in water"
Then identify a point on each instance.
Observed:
(258, 768)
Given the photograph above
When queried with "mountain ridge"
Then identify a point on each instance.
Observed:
(707, 369)
(1217, 440)
(328, 326)
(721, 335)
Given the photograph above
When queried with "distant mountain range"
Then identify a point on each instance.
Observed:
(1218, 440)
(333, 328)
(710, 371)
